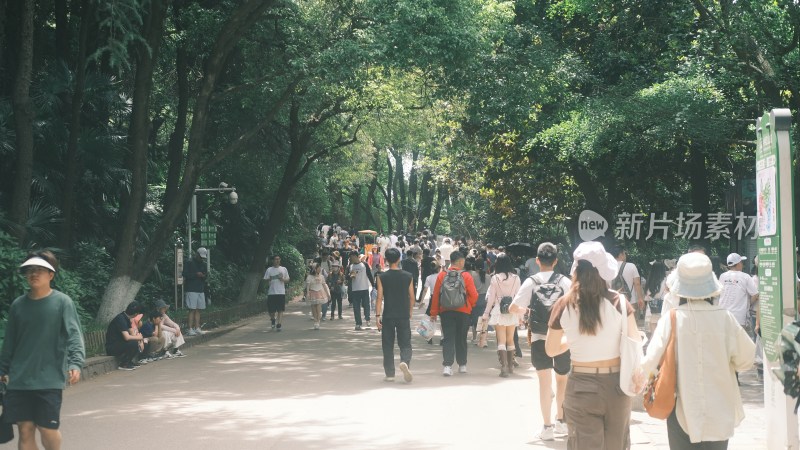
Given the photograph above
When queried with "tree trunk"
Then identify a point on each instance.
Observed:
(371, 200)
(73, 159)
(124, 279)
(354, 219)
(23, 122)
(176, 139)
(388, 195)
(698, 177)
(3, 6)
(441, 195)
(425, 203)
(62, 30)
(412, 211)
(135, 271)
(277, 215)
(400, 189)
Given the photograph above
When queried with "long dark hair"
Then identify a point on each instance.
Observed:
(587, 293)
(657, 274)
(504, 265)
(476, 266)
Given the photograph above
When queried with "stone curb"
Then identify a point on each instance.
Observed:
(100, 365)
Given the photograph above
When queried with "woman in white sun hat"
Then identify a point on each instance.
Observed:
(587, 322)
(711, 347)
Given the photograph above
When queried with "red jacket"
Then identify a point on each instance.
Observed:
(472, 294)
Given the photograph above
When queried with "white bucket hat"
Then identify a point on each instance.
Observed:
(694, 278)
(596, 254)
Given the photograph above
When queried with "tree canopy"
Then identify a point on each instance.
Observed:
(494, 120)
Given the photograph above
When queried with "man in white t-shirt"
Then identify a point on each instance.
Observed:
(557, 285)
(630, 275)
(738, 289)
(445, 250)
(277, 276)
(383, 242)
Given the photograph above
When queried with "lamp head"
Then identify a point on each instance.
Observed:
(233, 197)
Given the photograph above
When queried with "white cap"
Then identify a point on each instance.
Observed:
(202, 252)
(735, 258)
(37, 261)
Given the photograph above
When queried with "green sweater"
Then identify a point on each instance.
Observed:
(43, 341)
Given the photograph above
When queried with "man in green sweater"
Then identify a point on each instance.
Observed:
(42, 350)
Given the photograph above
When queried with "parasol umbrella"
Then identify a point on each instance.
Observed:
(520, 248)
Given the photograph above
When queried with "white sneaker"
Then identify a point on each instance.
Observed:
(316, 326)
(388, 379)
(191, 332)
(407, 376)
(462, 369)
(547, 433)
(199, 332)
(168, 355)
(561, 427)
(178, 354)
(447, 371)
(368, 325)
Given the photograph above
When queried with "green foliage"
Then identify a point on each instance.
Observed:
(224, 282)
(121, 21)
(12, 284)
(73, 285)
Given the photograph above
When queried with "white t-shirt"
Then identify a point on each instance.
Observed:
(430, 283)
(629, 273)
(737, 288)
(276, 275)
(393, 240)
(445, 251)
(361, 280)
(523, 297)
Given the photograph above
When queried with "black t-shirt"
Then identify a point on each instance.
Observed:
(410, 266)
(395, 285)
(119, 324)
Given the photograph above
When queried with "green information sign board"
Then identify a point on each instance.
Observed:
(208, 233)
(775, 215)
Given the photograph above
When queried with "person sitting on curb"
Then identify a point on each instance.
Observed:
(155, 341)
(171, 332)
(119, 340)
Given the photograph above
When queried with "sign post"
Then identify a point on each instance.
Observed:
(776, 265)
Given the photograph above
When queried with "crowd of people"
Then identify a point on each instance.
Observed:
(575, 321)
(573, 318)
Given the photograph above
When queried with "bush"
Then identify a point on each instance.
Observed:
(12, 284)
(224, 281)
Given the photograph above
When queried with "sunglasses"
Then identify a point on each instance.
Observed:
(32, 270)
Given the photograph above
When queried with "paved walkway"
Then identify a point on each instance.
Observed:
(303, 389)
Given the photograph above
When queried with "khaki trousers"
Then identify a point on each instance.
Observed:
(597, 412)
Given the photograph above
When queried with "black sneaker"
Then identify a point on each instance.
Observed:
(279, 327)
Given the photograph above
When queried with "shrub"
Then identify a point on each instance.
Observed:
(12, 284)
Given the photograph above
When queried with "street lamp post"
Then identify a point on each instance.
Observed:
(233, 197)
(191, 218)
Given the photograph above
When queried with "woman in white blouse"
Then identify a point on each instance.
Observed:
(711, 347)
(504, 284)
(587, 322)
(317, 293)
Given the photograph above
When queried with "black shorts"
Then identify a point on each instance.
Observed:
(42, 407)
(540, 360)
(276, 303)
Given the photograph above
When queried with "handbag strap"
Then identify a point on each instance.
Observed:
(671, 342)
(624, 316)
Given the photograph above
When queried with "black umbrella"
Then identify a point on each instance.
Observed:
(520, 248)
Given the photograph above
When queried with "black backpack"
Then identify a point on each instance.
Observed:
(620, 285)
(542, 299)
